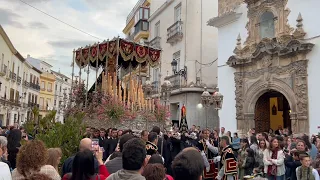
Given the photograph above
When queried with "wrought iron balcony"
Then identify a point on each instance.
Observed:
(174, 32)
(13, 76)
(31, 105)
(19, 80)
(26, 84)
(3, 71)
(175, 81)
(35, 86)
(156, 42)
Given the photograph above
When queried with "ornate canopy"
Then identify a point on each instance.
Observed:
(128, 54)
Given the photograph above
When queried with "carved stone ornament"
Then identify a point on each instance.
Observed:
(256, 8)
(278, 64)
(227, 6)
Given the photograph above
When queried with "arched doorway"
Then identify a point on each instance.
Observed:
(271, 111)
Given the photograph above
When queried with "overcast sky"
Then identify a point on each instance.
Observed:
(34, 33)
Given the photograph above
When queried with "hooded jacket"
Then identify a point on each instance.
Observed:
(126, 175)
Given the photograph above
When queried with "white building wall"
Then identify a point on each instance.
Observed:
(5, 50)
(227, 43)
(310, 11)
(194, 15)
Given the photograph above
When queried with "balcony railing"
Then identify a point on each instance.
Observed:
(174, 32)
(31, 105)
(13, 76)
(19, 80)
(35, 86)
(156, 42)
(43, 108)
(3, 71)
(175, 81)
(26, 84)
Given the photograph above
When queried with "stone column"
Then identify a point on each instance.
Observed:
(294, 123)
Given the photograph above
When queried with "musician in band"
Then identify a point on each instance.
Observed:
(228, 161)
(211, 152)
(151, 144)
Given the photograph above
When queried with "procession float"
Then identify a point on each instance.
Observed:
(110, 102)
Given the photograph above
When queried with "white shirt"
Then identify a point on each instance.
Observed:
(4, 172)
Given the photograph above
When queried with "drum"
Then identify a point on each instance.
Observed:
(213, 173)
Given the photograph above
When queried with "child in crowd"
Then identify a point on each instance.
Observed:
(305, 171)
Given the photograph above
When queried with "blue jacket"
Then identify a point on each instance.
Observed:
(236, 143)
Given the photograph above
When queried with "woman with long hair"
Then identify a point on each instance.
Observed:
(301, 146)
(273, 159)
(13, 146)
(83, 167)
(311, 147)
(54, 158)
(32, 159)
(244, 144)
(249, 162)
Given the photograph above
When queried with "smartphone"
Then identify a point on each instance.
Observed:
(95, 145)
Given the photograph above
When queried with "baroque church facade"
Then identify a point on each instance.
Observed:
(268, 65)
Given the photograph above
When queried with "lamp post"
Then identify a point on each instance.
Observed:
(166, 91)
(180, 72)
(206, 99)
(214, 100)
(165, 95)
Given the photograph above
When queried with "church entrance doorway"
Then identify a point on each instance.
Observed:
(271, 111)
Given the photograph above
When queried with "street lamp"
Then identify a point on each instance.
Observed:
(206, 99)
(215, 100)
(181, 72)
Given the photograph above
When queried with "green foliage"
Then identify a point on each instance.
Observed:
(67, 136)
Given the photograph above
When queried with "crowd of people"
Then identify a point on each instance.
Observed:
(188, 154)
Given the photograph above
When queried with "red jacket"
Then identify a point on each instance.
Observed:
(103, 174)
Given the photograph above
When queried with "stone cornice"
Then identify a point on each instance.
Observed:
(276, 46)
(224, 19)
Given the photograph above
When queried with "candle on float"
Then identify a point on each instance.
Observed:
(152, 105)
(119, 90)
(124, 93)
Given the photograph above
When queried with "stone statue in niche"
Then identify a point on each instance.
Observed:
(274, 110)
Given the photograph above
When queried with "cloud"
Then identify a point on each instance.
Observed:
(7, 17)
(70, 43)
(37, 25)
(43, 37)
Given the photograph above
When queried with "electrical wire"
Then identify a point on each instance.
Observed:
(62, 21)
(207, 64)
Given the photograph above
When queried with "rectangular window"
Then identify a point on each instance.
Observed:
(41, 102)
(49, 87)
(156, 74)
(176, 56)
(60, 88)
(55, 102)
(30, 78)
(177, 13)
(13, 67)
(18, 71)
(43, 86)
(157, 29)
(36, 99)
(145, 13)
(56, 88)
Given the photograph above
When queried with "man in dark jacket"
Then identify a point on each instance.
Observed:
(67, 165)
(111, 143)
(116, 164)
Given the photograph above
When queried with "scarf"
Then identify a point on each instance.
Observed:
(272, 169)
(305, 173)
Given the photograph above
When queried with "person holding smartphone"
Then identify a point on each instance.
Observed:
(83, 166)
